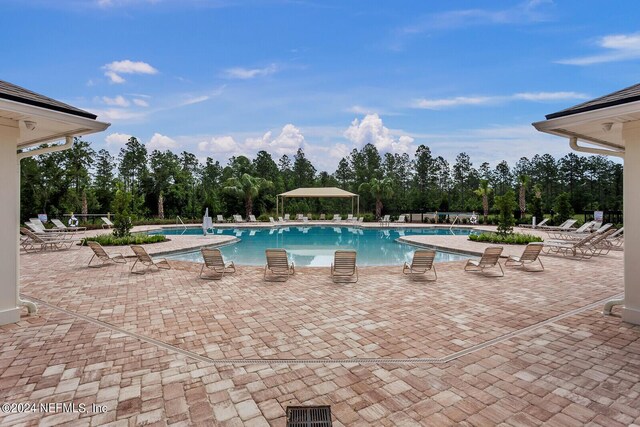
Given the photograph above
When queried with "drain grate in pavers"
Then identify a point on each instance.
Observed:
(309, 416)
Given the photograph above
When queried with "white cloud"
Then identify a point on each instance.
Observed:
(222, 144)
(437, 104)
(371, 130)
(249, 73)
(119, 101)
(140, 102)
(289, 140)
(161, 142)
(114, 69)
(258, 144)
(117, 139)
(619, 47)
(550, 96)
(114, 77)
(118, 114)
(194, 100)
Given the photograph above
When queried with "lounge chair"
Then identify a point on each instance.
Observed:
(45, 241)
(309, 217)
(385, 220)
(219, 218)
(213, 261)
(576, 248)
(530, 255)
(38, 227)
(360, 220)
(337, 218)
(280, 219)
(490, 259)
(271, 220)
(584, 228)
(238, 218)
(616, 239)
(102, 255)
(350, 217)
(421, 263)
(106, 222)
(61, 227)
(277, 265)
(299, 217)
(573, 235)
(323, 217)
(145, 259)
(344, 266)
(287, 217)
(400, 219)
(565, 226)
(252, 218)
(540, 224)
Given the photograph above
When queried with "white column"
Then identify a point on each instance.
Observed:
(9, 220)
(631, 137)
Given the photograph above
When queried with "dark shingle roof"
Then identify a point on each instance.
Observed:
(18, 94)
(624, 96)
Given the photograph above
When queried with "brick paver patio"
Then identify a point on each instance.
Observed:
(167, 347)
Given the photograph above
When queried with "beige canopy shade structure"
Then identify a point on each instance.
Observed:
(610, 125)
(319, 193)
(27, 119)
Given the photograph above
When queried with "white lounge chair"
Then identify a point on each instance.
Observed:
(219, 218)
(565, 226)
(337, 218)
(299, 217)
(540, 224)
(252, 218)
(401, 219)
(106, 222)
(287, 217)
(385, 220)
(60, 226)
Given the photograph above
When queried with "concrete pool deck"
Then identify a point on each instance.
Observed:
(169, 348)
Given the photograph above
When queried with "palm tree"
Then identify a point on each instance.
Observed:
(247, 187)
(523, 180)
(483, 191)
(379, 188)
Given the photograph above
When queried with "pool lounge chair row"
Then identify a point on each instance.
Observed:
(287, 218)
(591, 245)
(343, 268)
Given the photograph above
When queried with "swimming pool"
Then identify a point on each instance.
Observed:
(313, 246)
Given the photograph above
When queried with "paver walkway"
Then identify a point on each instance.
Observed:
(167, 347)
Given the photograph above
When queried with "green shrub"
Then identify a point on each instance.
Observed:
(120, 206)
(132, 239)
(509, 239)
(263, 218)
(506, 205)
(369, 217)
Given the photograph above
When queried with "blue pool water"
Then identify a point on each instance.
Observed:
(314, 246)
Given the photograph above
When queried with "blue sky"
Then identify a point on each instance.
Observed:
(221, 78)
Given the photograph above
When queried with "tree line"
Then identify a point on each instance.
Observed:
(165, 184)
